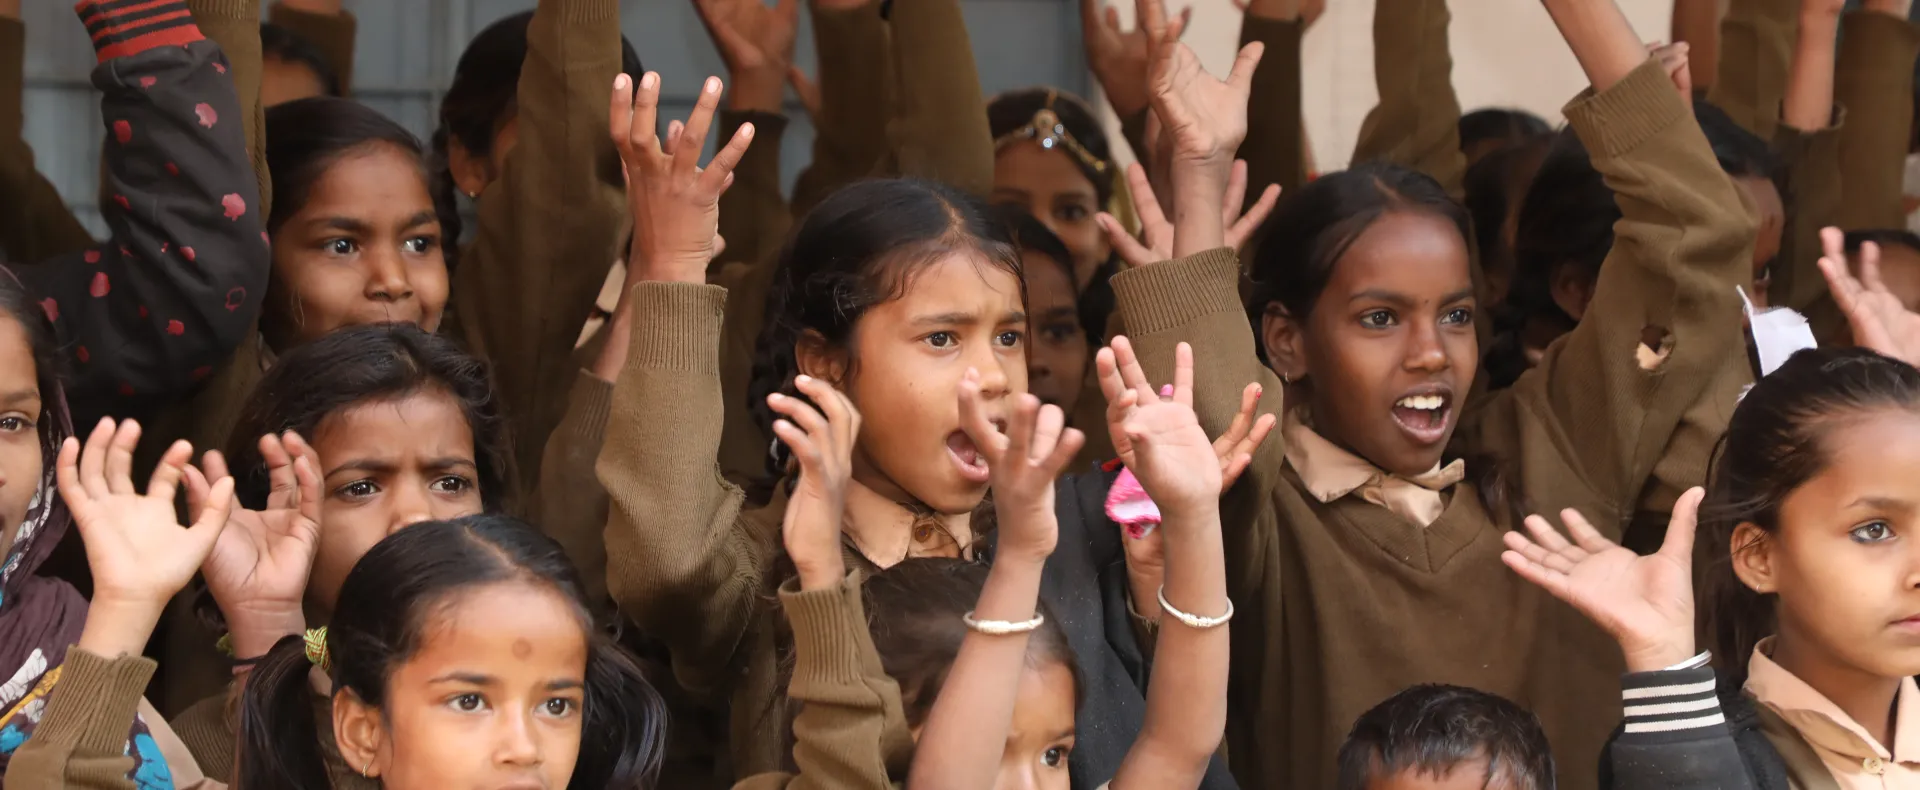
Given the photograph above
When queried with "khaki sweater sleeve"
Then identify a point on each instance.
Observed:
(850, 134)
(1873, 79)
(1274, 150)
(851, 726)
(569, 504)
(1683, 243)
(1756, 50)
(684, 564)
(754, 215)
(332, 34)
(1417, 123)
(1810, 163)
(36, 225)
(81, 741)
(939, 131)
(549, 227)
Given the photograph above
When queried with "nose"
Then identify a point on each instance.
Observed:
(1425, 353)
(387, 279)
(410, 505)
(514, 743)
(995, 382)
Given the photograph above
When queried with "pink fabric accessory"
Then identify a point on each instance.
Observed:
(1130, 507)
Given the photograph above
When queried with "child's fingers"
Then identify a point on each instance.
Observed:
(1183, 374)
(214, 464)
(1238, 231)
(1584, 535)
(641, 137)
(1129, 248)
(66, 477)
(308, 477)
(686, 161)
(1151, 16)
(1840, 282)
(206, 529)
(165, 481)
(1107, 372)
(119, 468)
(197, 491)
(1178, 27)
(1130, 371)
(800, 445)
(1146, 205)
(831, 406)
(93, 462)
(1535, 573)
(1544, 534)
(280, 478)
(720, 169)
(1680, 527)
(800, 413)
(1046, 430)
(805, 88)
(1262, 427)
(1236, 466)
(620, 117)
(1242, 421)
(1244, 64)
(1021, 422)
(1064, 451)
(1236, 192)
(1870, 268)
(1542, 549)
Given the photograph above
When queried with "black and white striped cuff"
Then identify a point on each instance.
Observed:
(1674, 702)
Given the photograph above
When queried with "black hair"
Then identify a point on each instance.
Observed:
(1741, 153)
(367, 364)
(485, 92)
(279, 43)
(1498, 123)
(1775, 442)
(861, 247)
(1495, 187)
(1884, 237)
(26, 309)
(306, 136)
(1032, 236)
(1016, 108)
(389, 602)
(1430, 729)
(914, 610)
(1566, 220)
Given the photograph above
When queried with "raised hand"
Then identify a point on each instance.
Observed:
(1673, 59)
(1206, 117)
(1879, 320)
(821, 440)
(1156, 233)
(675, 203)
(1022, 464)
(139, 554)
(1124, 383)
(1646, 603)
(258, 569)
(756, 42)
(1120, 59)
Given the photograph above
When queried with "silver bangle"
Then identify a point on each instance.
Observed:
(1004, 627)
(1194, 620)
(1692, 663)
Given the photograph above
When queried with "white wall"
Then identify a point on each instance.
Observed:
(1505, 52)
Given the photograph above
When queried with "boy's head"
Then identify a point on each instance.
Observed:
(1446, 738)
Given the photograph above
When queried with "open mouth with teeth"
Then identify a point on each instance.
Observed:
(967, 456)
(1424, 417)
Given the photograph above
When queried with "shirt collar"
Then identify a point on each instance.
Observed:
(1330, 472)
(1822, 722)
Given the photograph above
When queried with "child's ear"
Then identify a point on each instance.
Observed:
(819, 359)
(470, 173)
(1280, 334)
(359, 732)
(1753, 558)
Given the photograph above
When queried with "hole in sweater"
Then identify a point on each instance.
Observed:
(1655, 344)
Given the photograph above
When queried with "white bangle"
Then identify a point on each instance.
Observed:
(1692, 663)
(1004, 627)
(1194, 620)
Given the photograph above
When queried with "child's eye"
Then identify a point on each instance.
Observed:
(557, 707)
(941, 339)
(1072, 213)
(468, 703)
(1055, 757)
(358, 489)
(1008, 339)
(1377, 319)
(1458, 315)
(451, 484)
(418, 244)
(340, 246)
(1059, 333)
(13, 424)
(1872, 532)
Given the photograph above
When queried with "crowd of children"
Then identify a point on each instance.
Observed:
(543, 454)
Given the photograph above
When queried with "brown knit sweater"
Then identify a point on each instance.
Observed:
(1873, 79)
(81, 741)
(1343, 604)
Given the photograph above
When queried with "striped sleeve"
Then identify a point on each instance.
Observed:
(120, 28)
(1674, 736)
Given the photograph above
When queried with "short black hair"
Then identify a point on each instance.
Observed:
(1432, 728)
(1499, 123)
(1885, 237)
(279, 43)
(1741, 153)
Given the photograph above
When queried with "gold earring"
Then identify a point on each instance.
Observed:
(367, 770)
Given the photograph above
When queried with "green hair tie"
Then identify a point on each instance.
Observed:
(316, 639)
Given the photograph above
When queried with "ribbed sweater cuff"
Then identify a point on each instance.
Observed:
(584, 12)
(1893, 38)
(1168, 294)
(1793, 144)
(588, 404)
(1676, 705)
(829, 634)
(129, 27)
(92, 706)
(676, 326)
(1638, 108)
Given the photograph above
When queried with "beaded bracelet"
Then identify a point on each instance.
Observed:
(1194, 620)
(1003, 627)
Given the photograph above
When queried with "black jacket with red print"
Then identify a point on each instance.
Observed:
(144, 316)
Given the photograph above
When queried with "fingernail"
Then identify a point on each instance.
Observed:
(1166, 390)
(746, 131)
(621, 82)
(712, 85)
(649, 80)
(775, 397)
(802, 379)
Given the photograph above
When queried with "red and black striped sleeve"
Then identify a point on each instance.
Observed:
(143, 317)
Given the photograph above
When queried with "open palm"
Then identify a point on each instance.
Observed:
(1645, 603)
(261, 562)
(136, 548)
(1878, 318)
(750, 34)
(1206, 117)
